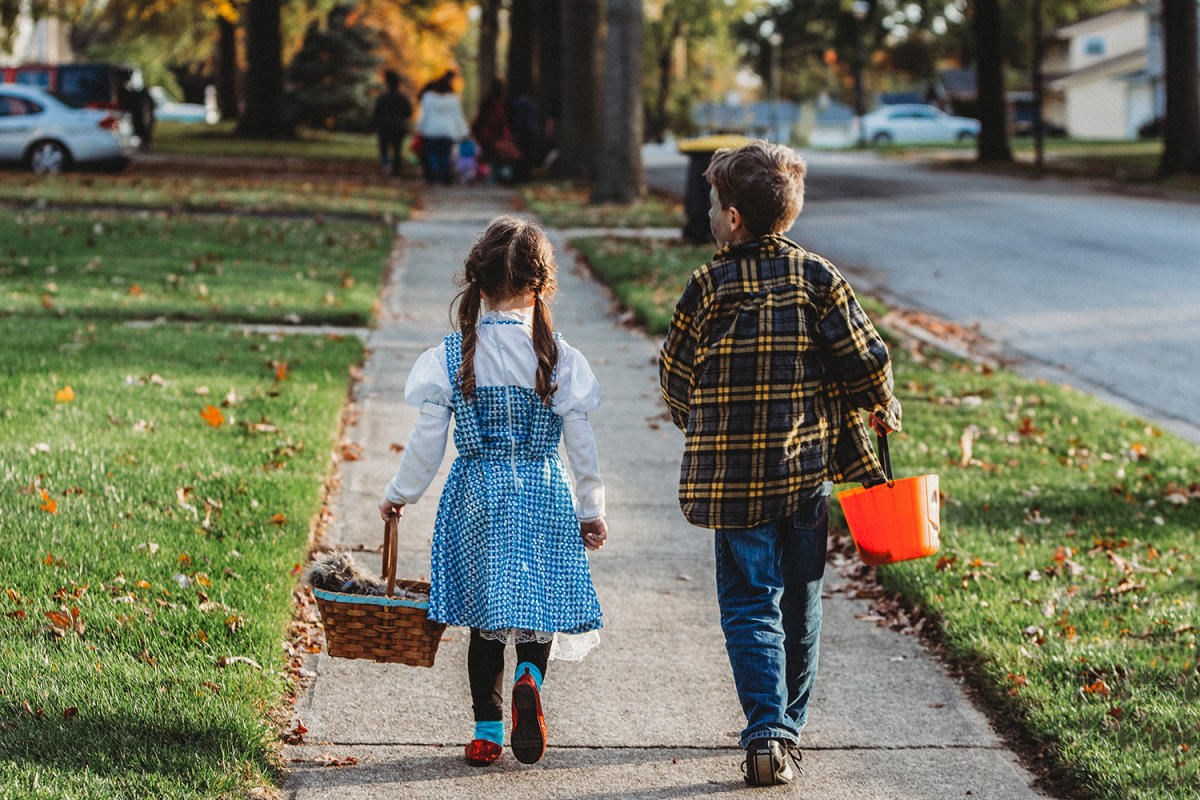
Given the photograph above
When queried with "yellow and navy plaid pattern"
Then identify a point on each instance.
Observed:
(766, 362)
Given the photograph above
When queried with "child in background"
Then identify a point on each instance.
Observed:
(766, 363)
(466, 165)
(508, 545)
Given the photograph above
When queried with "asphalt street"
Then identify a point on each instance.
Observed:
(1070, 281)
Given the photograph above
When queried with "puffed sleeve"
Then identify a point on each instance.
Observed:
(428, 389)
(577, 387)
(428, 381)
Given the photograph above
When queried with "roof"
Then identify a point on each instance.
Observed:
(1098, 22)
(1130, 62)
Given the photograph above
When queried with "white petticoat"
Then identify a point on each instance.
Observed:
(563, 646)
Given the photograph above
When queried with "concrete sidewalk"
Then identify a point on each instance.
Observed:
(652, 712)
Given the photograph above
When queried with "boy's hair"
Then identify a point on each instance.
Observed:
(512, 256)
(763, 181)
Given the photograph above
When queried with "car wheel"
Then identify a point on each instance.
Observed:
(965, 136)
(48, 157)
(883, 137)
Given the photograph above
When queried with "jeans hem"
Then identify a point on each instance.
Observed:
(768, 733)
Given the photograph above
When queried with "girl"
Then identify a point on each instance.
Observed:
(507, 557)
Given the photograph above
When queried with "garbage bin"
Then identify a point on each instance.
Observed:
(695, 197)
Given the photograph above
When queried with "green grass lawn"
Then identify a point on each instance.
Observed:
(160, 488)
(108, 264)
(176, 138)
(565, 205)
(1067, 586)
(147, 554)
(220, 191)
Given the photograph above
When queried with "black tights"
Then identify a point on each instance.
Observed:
(485, 668)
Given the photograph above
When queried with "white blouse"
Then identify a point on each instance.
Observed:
(504, 356)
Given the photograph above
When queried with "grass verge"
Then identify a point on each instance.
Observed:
(565, 205)
(259, 194)
(120, 265)
(1067, 587)
(221, 140)
(153, 515)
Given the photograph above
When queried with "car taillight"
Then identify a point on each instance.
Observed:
(109, 123)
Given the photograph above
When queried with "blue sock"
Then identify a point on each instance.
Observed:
(533, 671)
(492, 731)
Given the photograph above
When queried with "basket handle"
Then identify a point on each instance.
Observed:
(389, 553)
(885, 457)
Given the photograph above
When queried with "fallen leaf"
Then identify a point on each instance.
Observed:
(281, 370)
(1098, 687)
(352, 451)
(212, 415)
(396, 447)
(279, 519)
(68, 713)
(48, 505)
(64, 395)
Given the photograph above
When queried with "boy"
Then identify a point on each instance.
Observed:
(766, 362)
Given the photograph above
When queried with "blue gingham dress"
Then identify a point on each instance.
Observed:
(507, 554)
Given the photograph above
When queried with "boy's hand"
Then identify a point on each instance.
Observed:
(877, 422)
(389, 509)
(594, 533)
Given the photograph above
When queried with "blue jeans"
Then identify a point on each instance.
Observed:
(769, 591)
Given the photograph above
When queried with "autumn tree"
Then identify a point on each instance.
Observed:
(619, 174)
(1181, 128)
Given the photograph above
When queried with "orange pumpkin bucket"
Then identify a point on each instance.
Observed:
(893, 521)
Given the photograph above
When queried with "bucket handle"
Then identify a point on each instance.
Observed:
(885, 457)
(389, 553)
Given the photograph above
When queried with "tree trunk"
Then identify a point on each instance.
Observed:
(548, 71)
(227, 75)
(657, 124)
(522, 29)
(989, 71)
(264, 116)
(1181, 128)
(619, 175)
(581, 22)
(489, 29)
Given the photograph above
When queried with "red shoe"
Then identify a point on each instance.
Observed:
(528, 737)
(481, 752)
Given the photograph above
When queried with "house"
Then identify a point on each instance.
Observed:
(45, 41)
(1104, 74)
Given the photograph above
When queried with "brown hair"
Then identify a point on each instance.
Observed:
(511, 257)
(763, 181)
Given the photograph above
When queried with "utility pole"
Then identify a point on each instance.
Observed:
(1039, 125)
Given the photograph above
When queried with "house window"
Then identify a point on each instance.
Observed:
(1094, 46)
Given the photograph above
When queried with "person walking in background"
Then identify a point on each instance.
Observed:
(491, 130)
(766, 361)
(509, 542)
(440, 125)
(390, 121)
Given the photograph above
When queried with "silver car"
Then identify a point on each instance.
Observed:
(47, 134)
(908, 123)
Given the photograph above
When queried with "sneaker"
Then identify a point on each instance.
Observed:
(481, 752)
(528, 737)
(769, 762)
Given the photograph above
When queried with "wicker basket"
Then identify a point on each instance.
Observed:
(389, 628)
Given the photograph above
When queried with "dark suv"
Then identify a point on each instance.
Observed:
(112, 86)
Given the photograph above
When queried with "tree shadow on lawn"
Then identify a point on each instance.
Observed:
(123, 750)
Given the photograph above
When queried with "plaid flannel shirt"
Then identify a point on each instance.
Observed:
(766, 362)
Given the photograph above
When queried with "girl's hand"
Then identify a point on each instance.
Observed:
(594, 533)
(389, 509)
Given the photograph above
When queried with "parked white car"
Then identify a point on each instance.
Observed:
(909, 123)
(49, 135)
(167, 108)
